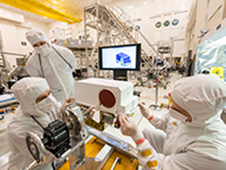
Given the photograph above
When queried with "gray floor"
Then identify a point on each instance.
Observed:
(147, 96)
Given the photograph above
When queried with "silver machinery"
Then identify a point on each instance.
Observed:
(66, 139)
(60, 139)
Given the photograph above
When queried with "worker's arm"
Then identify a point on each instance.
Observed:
(61, 108)
(31, 68)
(57, 109)
(147, 156)
(73, 61)
(17, 141)
(187, 159)
(157, 121)
(68, 55)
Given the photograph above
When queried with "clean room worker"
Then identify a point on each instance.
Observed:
(191, 136)
(54, 63)
(36, 103)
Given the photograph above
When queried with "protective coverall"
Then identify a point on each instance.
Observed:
(54, 63)
(180, 145)
(26, 91)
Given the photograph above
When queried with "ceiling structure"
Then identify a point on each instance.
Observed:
(69, 8)
(27, 14)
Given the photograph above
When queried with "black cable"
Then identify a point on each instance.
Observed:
(40, 62)
(53, 115)
(53, 166)
(37, 122)
(62, 58)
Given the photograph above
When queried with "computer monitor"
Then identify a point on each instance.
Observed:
(122, 57)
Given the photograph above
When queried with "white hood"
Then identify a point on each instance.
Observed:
(26, 91)
(202, 96)
(36, 35)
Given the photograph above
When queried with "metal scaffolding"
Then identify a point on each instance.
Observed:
(113, 26)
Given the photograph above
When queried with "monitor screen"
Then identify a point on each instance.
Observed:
(124, 57)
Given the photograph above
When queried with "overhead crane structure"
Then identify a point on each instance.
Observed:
(45, 8)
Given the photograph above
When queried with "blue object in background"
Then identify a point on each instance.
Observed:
(137, 27)
(123, 58)
(175, 22)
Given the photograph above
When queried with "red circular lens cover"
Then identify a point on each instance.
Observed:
(107, 98)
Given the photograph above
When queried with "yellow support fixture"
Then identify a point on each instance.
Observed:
(43, 9)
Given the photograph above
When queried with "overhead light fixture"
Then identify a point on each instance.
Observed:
(145, 2)
(55, 2)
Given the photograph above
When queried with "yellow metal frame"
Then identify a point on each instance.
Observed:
(43, 8)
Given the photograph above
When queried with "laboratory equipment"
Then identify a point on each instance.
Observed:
(111, 97)
(10, 76)
(72, 43)
(69, 139)
(60, 138)
(7, 100)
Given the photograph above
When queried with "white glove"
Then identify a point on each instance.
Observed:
(69, 101)
(91, 111)
(128, 127)
(144, 110)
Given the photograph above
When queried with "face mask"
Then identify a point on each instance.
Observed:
(46, 104)
(43, 50)
(177, 115)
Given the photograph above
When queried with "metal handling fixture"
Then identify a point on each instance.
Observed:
(60, 139)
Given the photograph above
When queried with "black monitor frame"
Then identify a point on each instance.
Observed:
(138, 57)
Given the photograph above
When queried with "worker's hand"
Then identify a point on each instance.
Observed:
(91, 111)
(128, 127)
(69, 101)
(144, 110)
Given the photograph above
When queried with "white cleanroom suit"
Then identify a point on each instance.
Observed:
(54, 63)
(26, 91)
(177, 144)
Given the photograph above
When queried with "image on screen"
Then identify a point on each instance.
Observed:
(119, 57)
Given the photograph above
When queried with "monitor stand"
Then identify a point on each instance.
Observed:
(120, 75)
